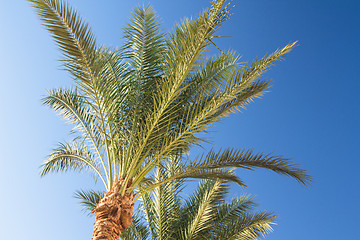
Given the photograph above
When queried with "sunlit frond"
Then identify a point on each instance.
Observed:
(74, 108)
(201, 209)
(249, 226)
(231, 210)
(249, 160)
(161, 207)
(241, 87)
(74, 156)
(72, 35)
(144, 44)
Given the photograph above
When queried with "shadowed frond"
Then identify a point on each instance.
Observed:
(112, 85)
(210, 77)
(89, 199)
(143, 52)
(161, 207)
(148, 209)
(206, 215)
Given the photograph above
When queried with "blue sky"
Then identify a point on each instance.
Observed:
(310, 115)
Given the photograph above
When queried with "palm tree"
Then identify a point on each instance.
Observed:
(205, 215)
(149, 100)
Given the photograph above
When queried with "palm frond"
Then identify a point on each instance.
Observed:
(246, 84)
(72, 35)
(109, 104)
(148, 208)
(82, 60)
(200, 210)
(210, 77)
(188, 172)
(163, 203)
(89, 199)
(166, 197)
(111, 86)
(144, 43)
(76, 109)
(143, 51)
(240, 89)
(235, 207)
(206, 215)
(190, 39)
(249, 226)
(182, 52)
(249, 160)
(74, 156)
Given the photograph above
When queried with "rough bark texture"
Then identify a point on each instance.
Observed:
(113, 214)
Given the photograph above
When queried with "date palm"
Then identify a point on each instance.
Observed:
(149, 100)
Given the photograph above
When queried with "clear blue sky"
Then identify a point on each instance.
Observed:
(311, 115)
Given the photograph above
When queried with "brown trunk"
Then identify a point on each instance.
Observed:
(113, 213)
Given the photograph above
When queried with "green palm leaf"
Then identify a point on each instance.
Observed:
(89, 199)
(201, 209)
(246, 227)
(144, 44)
(75, 108)
(74, 156)
(231, 210)
(72, 35)
(248, 160)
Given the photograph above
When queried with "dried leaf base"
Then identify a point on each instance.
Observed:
(113, 214)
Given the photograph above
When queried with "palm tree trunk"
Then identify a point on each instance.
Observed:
(113, 213)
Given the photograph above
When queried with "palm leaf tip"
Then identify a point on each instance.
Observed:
(72, 35)
(248, 160)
